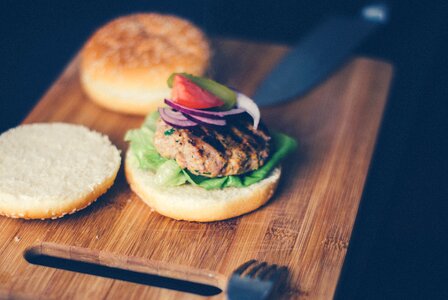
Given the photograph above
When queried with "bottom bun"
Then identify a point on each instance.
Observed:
(192, 203)
(49, 170)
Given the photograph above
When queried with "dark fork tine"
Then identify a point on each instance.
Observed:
(244, 267)
(261, 275)
(257, 280)
(256, 268)
(279, 276)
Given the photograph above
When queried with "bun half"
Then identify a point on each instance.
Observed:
(193, 203)
(126, 63)
(50, 170)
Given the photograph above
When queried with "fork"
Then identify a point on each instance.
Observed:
(256, 281)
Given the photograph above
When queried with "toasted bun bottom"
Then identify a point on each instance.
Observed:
(193, 203)
(38, 210)
(48, 170)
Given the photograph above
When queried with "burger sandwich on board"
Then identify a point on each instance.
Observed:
(205, 156)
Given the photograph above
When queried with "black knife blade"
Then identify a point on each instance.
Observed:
(318, 54)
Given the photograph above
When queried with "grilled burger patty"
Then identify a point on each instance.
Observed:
(215, 151)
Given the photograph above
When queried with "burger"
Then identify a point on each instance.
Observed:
(205, 156)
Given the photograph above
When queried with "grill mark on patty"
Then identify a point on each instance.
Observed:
(249, 145)
(261, 140)
(234, 136)
(226, 145)
(261, 132)
(228, 132)
(215, 151)
(208, 136)
(218, 142)
(238, 155)
(253, 141)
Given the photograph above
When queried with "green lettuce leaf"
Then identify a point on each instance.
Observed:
(168, 172)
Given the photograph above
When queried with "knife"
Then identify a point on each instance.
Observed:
(318, 54)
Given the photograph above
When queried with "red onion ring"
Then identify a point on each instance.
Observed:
(207, 121)
(175, 119)
(188, 117)
(203, 113)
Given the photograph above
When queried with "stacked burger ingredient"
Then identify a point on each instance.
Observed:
(213, 134)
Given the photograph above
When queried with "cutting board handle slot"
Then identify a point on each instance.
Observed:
(38, 256)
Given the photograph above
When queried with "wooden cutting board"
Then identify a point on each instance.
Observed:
(306, 226)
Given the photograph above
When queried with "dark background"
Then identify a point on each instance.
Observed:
(399, 244)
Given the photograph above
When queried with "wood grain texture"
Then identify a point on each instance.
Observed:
(306, 226)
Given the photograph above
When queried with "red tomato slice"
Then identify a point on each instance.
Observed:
(188, 94)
